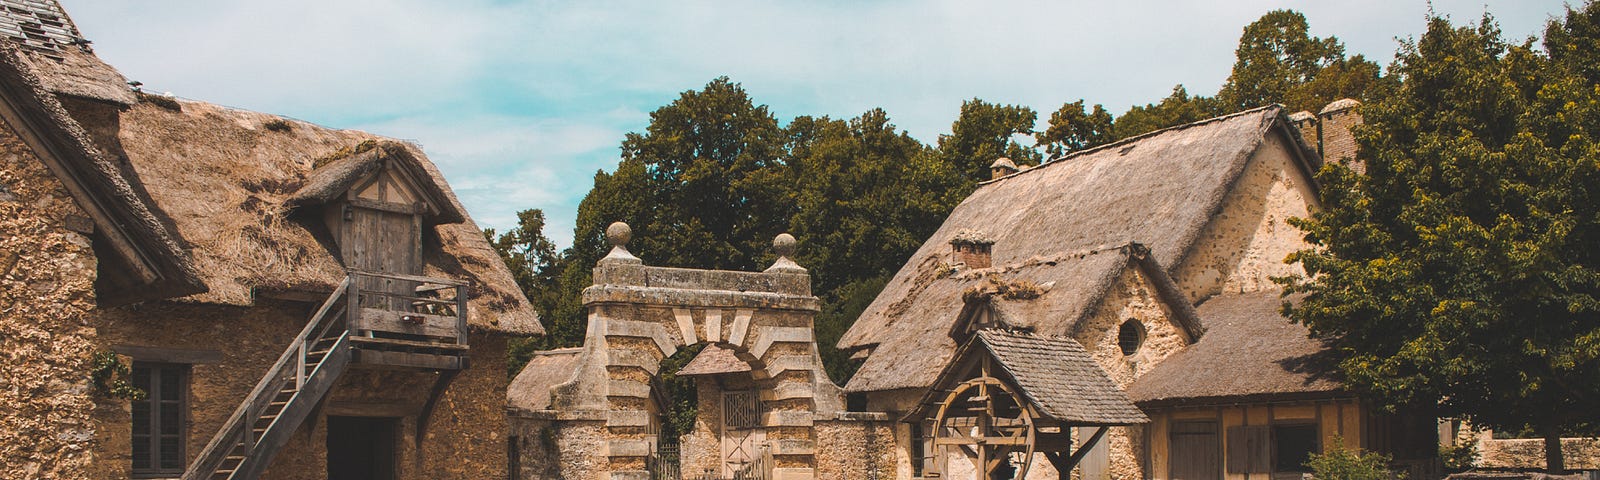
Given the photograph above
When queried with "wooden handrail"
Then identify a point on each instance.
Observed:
(410, 278)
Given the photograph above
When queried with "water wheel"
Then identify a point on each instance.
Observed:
(987, 417)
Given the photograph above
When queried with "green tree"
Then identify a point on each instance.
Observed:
(1177, 109)
(1073, 128)
(1276, 54)
(983, 133)
(537, 267)
(1459, 272)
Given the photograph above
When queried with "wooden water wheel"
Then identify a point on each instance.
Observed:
(991, 420)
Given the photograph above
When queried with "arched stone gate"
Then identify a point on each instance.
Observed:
(639, 315)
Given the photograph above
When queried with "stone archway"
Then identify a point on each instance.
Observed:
(639, 315)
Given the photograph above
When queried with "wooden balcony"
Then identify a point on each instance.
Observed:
(408, 321)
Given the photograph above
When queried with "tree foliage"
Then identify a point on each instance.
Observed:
(1459, 271)
(1075, 127)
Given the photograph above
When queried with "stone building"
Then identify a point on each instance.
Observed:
(1156, 254)
(197, 291)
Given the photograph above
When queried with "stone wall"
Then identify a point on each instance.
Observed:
(551, 449)
(862, 448)
(465, 438)
(1245, 244)
(47, 275)
(1580, 453)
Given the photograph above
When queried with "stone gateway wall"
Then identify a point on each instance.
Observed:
(47, 274)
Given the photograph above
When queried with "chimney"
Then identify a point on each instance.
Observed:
(1336, 142)
(972, 248)
(1306, 123)
(1001, 167)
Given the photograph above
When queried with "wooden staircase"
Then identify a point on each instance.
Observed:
(348, 329)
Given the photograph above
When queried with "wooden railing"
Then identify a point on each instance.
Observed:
(409, 305)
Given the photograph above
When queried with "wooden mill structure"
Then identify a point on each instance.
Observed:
(1008, 395)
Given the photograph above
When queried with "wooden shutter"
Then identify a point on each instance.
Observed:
(1248, 449)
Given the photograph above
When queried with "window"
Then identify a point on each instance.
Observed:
(159, 418)
(1293, 445)
(1131, 336)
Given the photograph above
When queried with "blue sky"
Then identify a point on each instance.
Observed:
(520, 102)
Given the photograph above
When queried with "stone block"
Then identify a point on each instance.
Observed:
(634, 329)
(793, 447)
(629, 448)
(765, 337)
(624, 388)
(634, 358)
(685, 319)
(630, 475)
(787, 418)
(627, 418)
(788, 390)
(713, 325)
(787, 363)
(741, 326)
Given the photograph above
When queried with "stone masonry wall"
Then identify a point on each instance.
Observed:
(862, 449)
(1132, 297)
(1579, 453)
(1245, 244)
(47, 275)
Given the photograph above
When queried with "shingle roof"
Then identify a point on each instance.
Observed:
(1249, 349)
(1055, 223)
(53, 45)
(714, 360)
(1055, 374)
(1061, 379)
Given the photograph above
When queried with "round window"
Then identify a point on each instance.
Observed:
(1130, 336)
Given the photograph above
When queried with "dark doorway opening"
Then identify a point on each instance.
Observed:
(362, 448)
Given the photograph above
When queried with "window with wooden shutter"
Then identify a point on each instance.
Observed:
(1249, 450)
(1294, 444)
(159, 430)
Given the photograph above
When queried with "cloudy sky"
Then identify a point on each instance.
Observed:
(520, 102)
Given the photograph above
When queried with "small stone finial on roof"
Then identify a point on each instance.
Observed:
(618, 234)
(784, 246)
(967, 236)
(1001, 167)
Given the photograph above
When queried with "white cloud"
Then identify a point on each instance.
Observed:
(520, 101)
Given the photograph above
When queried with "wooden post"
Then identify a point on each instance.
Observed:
(353, 303)
(461, 314)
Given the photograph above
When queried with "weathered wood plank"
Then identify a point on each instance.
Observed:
(379, 320)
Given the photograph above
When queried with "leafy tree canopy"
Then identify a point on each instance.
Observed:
(1459, 271)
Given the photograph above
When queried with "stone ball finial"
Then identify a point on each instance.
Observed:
(618, 234)
(783, 245)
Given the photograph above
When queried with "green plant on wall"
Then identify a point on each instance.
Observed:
(111, 377)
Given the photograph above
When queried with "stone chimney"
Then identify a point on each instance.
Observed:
(1336, 142)
(1001, 167)
(1306, 123)
(972, 248)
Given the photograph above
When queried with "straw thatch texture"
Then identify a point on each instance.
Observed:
(1054, 223)
(1055, 374)
(714, 360)
(224, 179)
(1249, 350)
(531, 389)
(125, 214)
(329, 182)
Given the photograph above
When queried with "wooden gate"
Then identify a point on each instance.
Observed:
(743, 439)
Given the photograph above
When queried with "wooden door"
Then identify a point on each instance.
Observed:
(384, 241)
(742, 436)
(1196, 451)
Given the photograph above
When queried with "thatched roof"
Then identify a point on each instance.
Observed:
(1056, 375)
(58, 52)
(714, 360)
(154, 263)
(531, 389)
(1249, 350)
(329, 182)
(1053, 223)
(225, 179)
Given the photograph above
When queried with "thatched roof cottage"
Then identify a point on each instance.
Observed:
(193, 290)
(1156, 254)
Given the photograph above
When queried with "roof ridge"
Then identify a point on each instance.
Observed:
(1136, 138)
